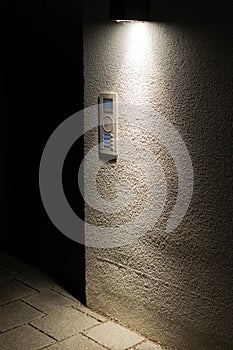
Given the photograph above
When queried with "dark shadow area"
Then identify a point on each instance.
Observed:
(43, 85)
(194, 10)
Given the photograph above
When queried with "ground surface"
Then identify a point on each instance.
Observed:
(36, 313)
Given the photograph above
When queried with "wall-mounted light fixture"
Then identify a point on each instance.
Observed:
(129, 11)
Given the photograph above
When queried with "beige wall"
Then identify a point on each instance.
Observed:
(175, 288)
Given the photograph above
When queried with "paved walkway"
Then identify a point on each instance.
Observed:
(36, 313)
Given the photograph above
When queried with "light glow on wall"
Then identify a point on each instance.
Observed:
(137, 40)
(137, 62)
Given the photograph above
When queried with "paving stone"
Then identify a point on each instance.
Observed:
(48, 301)
(24, 338)
(114, 336)
(11, 290)
(64, 292)
(79, 342)
(13, 262)
(37, 279)
(89, 312)
(64, 323)
(148, 346)
(16, 314)
(7, 273)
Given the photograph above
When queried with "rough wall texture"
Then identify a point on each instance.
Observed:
(176, 288)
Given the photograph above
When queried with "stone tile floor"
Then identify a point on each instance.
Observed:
(36, 313)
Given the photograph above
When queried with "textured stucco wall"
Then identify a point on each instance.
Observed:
(175, 288)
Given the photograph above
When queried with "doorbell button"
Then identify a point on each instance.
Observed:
(107, 124)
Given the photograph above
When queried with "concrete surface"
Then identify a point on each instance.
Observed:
(64, 323)
(175, 288)
(11, 290)
(51, 318)
(106, 334)
(147, 346)
(24, 337)
(16, 314)
(48, 301)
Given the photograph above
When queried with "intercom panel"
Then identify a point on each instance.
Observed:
(108, 123)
